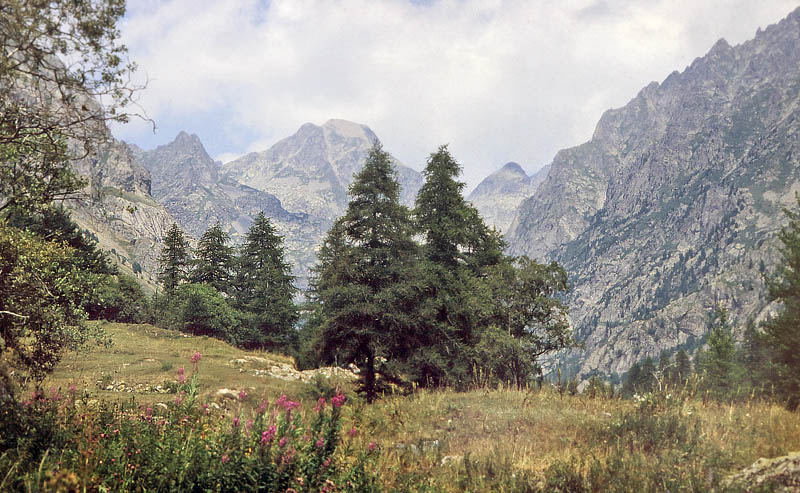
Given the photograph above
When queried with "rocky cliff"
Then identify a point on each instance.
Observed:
(191, 187)
(499, 194)
(673, 205)
(116, 206)
(311, 170)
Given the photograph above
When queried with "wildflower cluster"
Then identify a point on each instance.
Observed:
(264, 445)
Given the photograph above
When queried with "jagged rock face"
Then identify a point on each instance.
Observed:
(189, 184)
(673, 205)
(311, 170)
(117, 208)
(499, 194)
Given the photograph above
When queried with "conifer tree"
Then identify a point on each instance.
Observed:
(264, 286)
(364, 282)
(458, 246)
(174, 259)
(683, 367)
(718, 366)
(782, 333)
(213, 259)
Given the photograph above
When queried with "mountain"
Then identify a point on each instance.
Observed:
(311, 170)
(499, 194)
(673, 205)
(190, 186)
(117, 208)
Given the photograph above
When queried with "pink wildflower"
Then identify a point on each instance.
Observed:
(371, 446)
(180, 371)
(249, 424)
(320, 443)
(262, 408)
(338, 400)
(282, 442)
(327, 462)
(268, 435)
(224, 459)
(236, 421)
(320, 405)
(353, 432)
(196, 358)
(242, 395)
(72, 388)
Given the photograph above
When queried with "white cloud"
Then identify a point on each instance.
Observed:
(498, 80)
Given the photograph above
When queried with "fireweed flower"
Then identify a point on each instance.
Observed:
(236, 421)
(242, 395)
(338, 400)
(353, 432)
(371, 446)
(196, 358)
(268, 435)
(282, 442)
(224, 459)
(320, 405)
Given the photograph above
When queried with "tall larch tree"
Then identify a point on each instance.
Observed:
(263, 286)
(364, 284)
(457, 247)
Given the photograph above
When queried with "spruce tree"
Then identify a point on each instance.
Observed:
(364, 282)
(683, 367)
(213, 259)
(264, 288)
(174, 259)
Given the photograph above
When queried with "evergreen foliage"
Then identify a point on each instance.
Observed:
(782, 333)
(213, 260)
(174, 259)
(263, 287)
(365, 283)
(721, 374)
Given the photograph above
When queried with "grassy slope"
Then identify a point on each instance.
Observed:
(480, 440)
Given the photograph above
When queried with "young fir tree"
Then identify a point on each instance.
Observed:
(682, 368)
(718, 366)
(174, 259)
(782, 333)
(364, 283)
(213, 260)
(264, 288)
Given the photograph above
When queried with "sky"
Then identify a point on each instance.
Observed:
(498, 81)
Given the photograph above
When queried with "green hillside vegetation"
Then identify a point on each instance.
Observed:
(485, 439)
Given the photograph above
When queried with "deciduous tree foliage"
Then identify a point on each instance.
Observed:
(365, 281)
(42, 289)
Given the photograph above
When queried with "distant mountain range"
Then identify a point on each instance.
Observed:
(673, 205)
(670, 209)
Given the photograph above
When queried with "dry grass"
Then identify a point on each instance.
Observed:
(481, 440)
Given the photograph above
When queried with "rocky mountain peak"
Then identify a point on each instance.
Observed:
(311, 170)
(673, 205)
(499, 194)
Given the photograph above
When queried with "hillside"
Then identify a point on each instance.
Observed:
(482, 440)
(673, 205)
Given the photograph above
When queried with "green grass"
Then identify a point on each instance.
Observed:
(484, 440)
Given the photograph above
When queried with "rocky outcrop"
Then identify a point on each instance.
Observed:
(311, 170)
(673, 205)
(116, 207)
(781, 474)
(499, 194)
